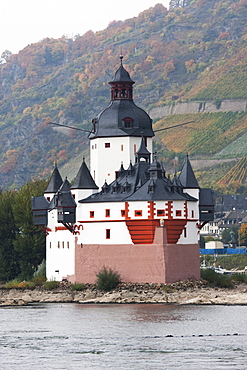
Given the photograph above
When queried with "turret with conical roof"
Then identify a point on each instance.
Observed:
(84, 179)
(54, 183)
(188, 180)
(84, 184)
(187, 176)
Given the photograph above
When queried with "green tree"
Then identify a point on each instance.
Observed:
(30, 240)
(9, 265)
(226, 235)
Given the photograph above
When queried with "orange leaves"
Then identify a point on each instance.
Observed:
(190, 66)
(169, 67)
(11, 160)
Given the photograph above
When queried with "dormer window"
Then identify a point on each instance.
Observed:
(127, 122)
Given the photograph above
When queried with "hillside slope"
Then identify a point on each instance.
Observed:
(197, 52)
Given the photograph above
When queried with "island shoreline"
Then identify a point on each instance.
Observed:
(180, 293)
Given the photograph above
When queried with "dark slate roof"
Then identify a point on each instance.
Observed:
(63, 198)
(230, 202)
(122, 75)
(39, 203)
(187, 176)
(109, 122)
(206, 197)
(143, 152)
(55, 181)
(84, 179)
(136, 184)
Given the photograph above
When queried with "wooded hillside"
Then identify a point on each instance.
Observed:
(197, 51)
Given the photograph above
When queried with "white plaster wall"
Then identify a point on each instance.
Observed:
(60, 261)
(99, 210)
(82, 193)
(193, 192)
(137, 206)
(192, 234)
(104, 162)
(95, 233)
(52, 219)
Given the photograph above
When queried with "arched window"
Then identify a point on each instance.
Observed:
(127, 122)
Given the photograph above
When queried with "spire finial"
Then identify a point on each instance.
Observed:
(121, 58)
(55, 163)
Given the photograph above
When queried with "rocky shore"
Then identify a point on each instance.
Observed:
(181, 293)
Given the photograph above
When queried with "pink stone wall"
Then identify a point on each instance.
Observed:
(152, 263)
(182, 261)
(134, 263)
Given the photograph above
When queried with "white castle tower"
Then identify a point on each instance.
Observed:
(118, 131)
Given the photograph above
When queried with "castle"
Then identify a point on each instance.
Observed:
(125, 213)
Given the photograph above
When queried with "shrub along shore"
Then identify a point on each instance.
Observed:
(182, 293)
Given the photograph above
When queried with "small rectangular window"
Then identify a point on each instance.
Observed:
(107, 213)
(107, 145)
(62, 244)
(185, 232)
(67, 244)
(178, 213)
(58, 244)
(48, 198)
(160, 212)
(108, 233)
(121, 148)
(192, 214)
(50, 244)
(123, 212)
(91, 214)
(138, 213)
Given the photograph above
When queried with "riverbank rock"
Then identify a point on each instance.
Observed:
(181, 293)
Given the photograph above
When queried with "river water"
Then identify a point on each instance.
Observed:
(147, 336)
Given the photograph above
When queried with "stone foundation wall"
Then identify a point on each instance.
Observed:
(150, 263)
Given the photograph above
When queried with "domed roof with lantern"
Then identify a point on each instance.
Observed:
(122, 117)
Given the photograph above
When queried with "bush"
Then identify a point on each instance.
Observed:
(107, 279)
(216, 279)
(240, 278)
(77, 286)
(39, 280)
(53, 284)
(41, 270)
(13, 284)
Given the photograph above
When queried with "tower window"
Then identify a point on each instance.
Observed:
(127, 122)
(178, 213)
(160, 212)
(121, 148)
(107, 145)
(108, 233)
(123, 212)
(192, 214)
(107, 213)
(123, 93)
(91, 214)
